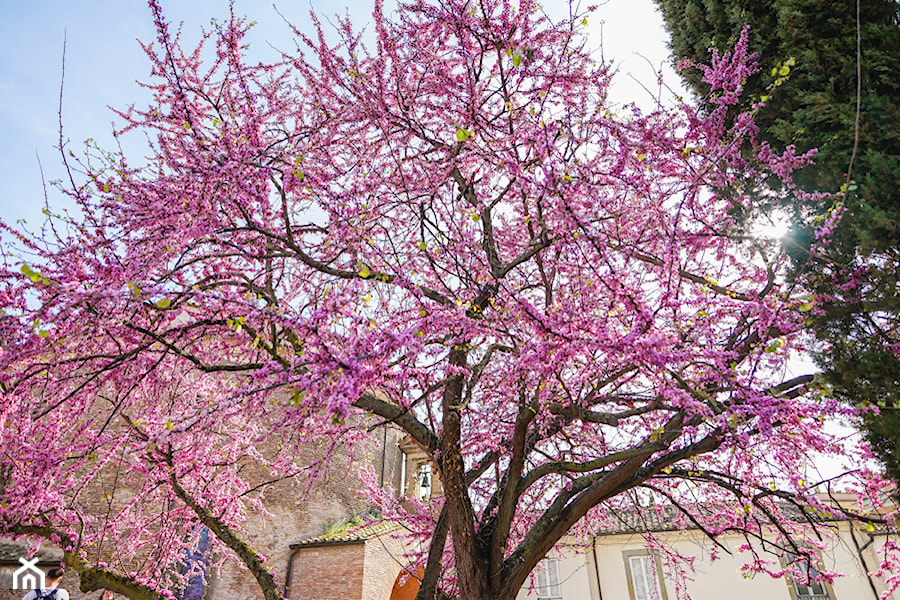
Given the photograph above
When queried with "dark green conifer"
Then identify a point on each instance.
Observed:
(855, 280)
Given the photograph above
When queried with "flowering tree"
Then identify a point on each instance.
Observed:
(839, 99)
(453, 232)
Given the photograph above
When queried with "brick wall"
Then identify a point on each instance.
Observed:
(329, 572)
(291, 513)
(385, 557)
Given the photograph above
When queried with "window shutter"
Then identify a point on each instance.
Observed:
(541, 579)
(553, 579)
(644, 578)
(547, 579)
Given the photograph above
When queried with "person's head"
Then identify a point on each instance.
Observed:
(54, 576)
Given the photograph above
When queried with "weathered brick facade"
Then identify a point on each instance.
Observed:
(365, 563)
(292, 513)
(329, 572)
(362, 564)
(295, 515)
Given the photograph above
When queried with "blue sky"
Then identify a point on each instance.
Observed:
(104, 62)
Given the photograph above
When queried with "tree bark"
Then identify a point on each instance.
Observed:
(471, 567)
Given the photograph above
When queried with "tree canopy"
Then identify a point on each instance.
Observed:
(813, 77)
(452, 231)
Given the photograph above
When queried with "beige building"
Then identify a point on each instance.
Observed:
(319, 559)
(618, 566)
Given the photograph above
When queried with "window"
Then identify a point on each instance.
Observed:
(546, 579)
(644, 575)
(810, 589)
(404, 464)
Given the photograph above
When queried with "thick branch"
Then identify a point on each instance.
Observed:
(510, 488)
(402, 417)
(90, 578)
(583, 414)
(227, 536)
(428, 586)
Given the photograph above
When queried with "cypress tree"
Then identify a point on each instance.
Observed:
(854, 280)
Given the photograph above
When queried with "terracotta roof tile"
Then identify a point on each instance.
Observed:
(355, 534)
(669, 518)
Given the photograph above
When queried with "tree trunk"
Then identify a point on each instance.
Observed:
(471, 567)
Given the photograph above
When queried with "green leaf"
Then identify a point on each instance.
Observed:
(784, 70)
(462, 135)
(164, 303)
(517, 59)
(365, 272)
(43, 333)
(423, 245)
(805, 307)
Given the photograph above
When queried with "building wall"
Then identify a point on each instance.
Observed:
(365, 569)
(576, 574)
(710, 580)
(293, 513)
(329, 573)
(385, 558)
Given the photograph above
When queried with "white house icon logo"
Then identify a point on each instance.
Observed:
(28, 576)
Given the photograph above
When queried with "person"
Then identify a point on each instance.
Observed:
(52, 591)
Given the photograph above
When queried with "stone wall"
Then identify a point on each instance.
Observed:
(385, 557)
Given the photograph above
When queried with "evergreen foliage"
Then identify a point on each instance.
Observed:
(812, 104)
